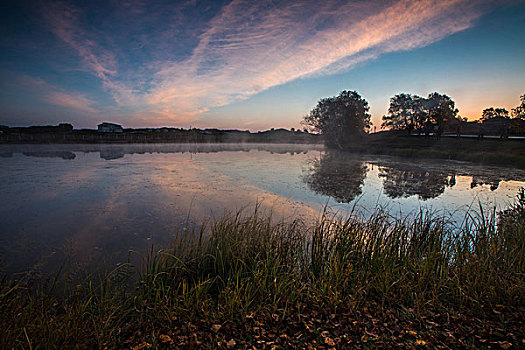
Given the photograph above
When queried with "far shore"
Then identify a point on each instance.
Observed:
(490, 150)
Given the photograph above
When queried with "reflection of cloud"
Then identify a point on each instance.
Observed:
(250, 46)
(202, 192)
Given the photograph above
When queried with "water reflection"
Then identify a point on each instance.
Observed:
(94, 202)
(491, 181)
(116, 151)
(50, 154)
(337, 175)
(111, 154)
(341, 176)
(405, 182)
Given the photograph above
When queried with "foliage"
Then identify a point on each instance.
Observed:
(492, 112)
(441, 109)
(252, 282)
(340, 118)
(408, 112)
(519, 111)
(404, 112)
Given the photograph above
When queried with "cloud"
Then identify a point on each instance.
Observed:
(250, 46)
(253, 46)
(63, 22)
(56, 96)
(70, 100)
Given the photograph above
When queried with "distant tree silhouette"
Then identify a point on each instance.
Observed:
(407, 112)
(340, 119)
(519, 111)
(404, 113)
(489, 113)
(441, 109)
(336, 174)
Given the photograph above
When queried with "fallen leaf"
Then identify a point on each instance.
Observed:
(165, 338)
(142, 345)
(216, 327)
(231, 344)
(329, 341)
(505, 344)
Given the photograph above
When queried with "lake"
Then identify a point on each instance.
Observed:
(85, 205)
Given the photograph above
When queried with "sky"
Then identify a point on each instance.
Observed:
(248, 64)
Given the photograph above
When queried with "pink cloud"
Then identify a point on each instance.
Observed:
(56, 96)
(251, 46)
(63, 22)
(70, 100)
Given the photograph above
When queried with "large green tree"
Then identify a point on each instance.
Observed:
(340, 118)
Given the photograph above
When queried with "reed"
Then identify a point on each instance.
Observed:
(246, 264)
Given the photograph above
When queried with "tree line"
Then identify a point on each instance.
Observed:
(346, 116)
(412, 112)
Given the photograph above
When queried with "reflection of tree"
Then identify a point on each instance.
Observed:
(337, 175)
(51, 154)
(111, 154)
(493, 182)
(399, 182)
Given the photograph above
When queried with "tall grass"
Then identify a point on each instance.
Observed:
(245, 264)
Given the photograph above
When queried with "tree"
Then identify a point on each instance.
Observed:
(413, 112)
(440, 109)
(489, 113)
(519, 112)
(400, 115)
(406, 112)
(340, 118)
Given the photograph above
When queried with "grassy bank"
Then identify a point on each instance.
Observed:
(489, 151)
(246, 281)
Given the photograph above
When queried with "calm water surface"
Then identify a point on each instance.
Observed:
(92, 204)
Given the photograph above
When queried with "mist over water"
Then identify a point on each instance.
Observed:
(92, 204)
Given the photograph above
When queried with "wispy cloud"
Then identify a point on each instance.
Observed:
(56, 96)
(63, 21)
(70, 100)
(250, 46)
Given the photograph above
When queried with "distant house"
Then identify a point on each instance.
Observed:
(110, 127)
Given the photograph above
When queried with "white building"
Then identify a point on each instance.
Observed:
(110, 127)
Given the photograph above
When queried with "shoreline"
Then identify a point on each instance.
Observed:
(490, 151)
(251, 282)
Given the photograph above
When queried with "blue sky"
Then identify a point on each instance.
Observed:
(250, 64)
